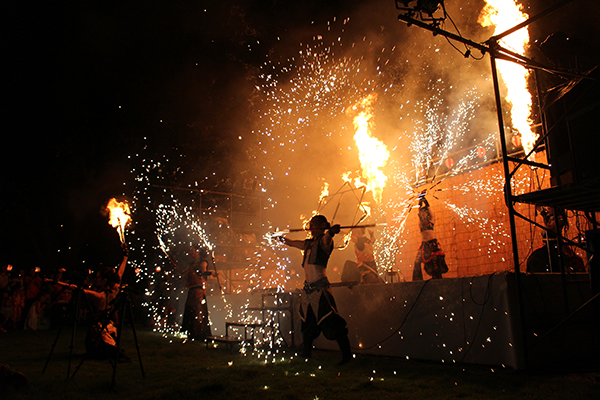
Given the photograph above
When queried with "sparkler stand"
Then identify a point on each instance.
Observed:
(74, 305)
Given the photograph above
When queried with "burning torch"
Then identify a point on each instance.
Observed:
(119, 217)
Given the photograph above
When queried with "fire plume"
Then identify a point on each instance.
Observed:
(119, 216)
(503, 15)
(372, 153)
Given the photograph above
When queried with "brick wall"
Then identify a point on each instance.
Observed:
(472, 223)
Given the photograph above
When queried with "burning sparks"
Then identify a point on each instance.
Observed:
(503, 15)
(119, 216)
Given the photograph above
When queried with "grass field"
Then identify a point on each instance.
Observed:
(177, 370)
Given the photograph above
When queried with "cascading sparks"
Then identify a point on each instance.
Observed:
(503, 15)
(372, 153)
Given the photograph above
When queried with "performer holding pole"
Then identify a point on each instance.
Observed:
(195, 316)
(318, 311)
(430, 255)
(100, 341)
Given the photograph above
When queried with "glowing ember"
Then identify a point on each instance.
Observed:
(503, 15)
(119, 216)
(372, 153)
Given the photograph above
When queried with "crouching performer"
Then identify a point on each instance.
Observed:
(318, 311)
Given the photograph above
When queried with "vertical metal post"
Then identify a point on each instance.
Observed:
(508, 198)
(507, 176)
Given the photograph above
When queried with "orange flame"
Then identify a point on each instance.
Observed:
(503, 15)
(372, 153)
(119, 216)
(324, 192)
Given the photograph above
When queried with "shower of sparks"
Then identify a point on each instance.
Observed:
(268, 269)
(304, 100)
(438, 135)
(491, 230)
(174, 219)
(176, 228)
(308, 105)
(301, 102)
(305, 110)
(440, 146)
(503, 15)
(161, 264)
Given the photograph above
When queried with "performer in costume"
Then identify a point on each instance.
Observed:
(318, 310)
(100, 340)
(365, 255)
(195, 315)
(430, 255)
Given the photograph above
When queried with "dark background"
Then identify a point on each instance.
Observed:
(91, 83)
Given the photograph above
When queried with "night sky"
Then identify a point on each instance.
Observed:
(88, 81)
(90, 84)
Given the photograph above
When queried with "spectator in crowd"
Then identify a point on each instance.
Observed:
(5, 277)
(18, 303)
(36, 318)
(33, 282)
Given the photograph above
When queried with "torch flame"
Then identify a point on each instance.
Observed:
(503, 15)
(119, 216)
(372, 153)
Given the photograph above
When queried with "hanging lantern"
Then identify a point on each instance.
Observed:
(481, 152)
(449, 162)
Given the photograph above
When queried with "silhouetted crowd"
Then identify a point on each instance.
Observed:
(31, 300)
